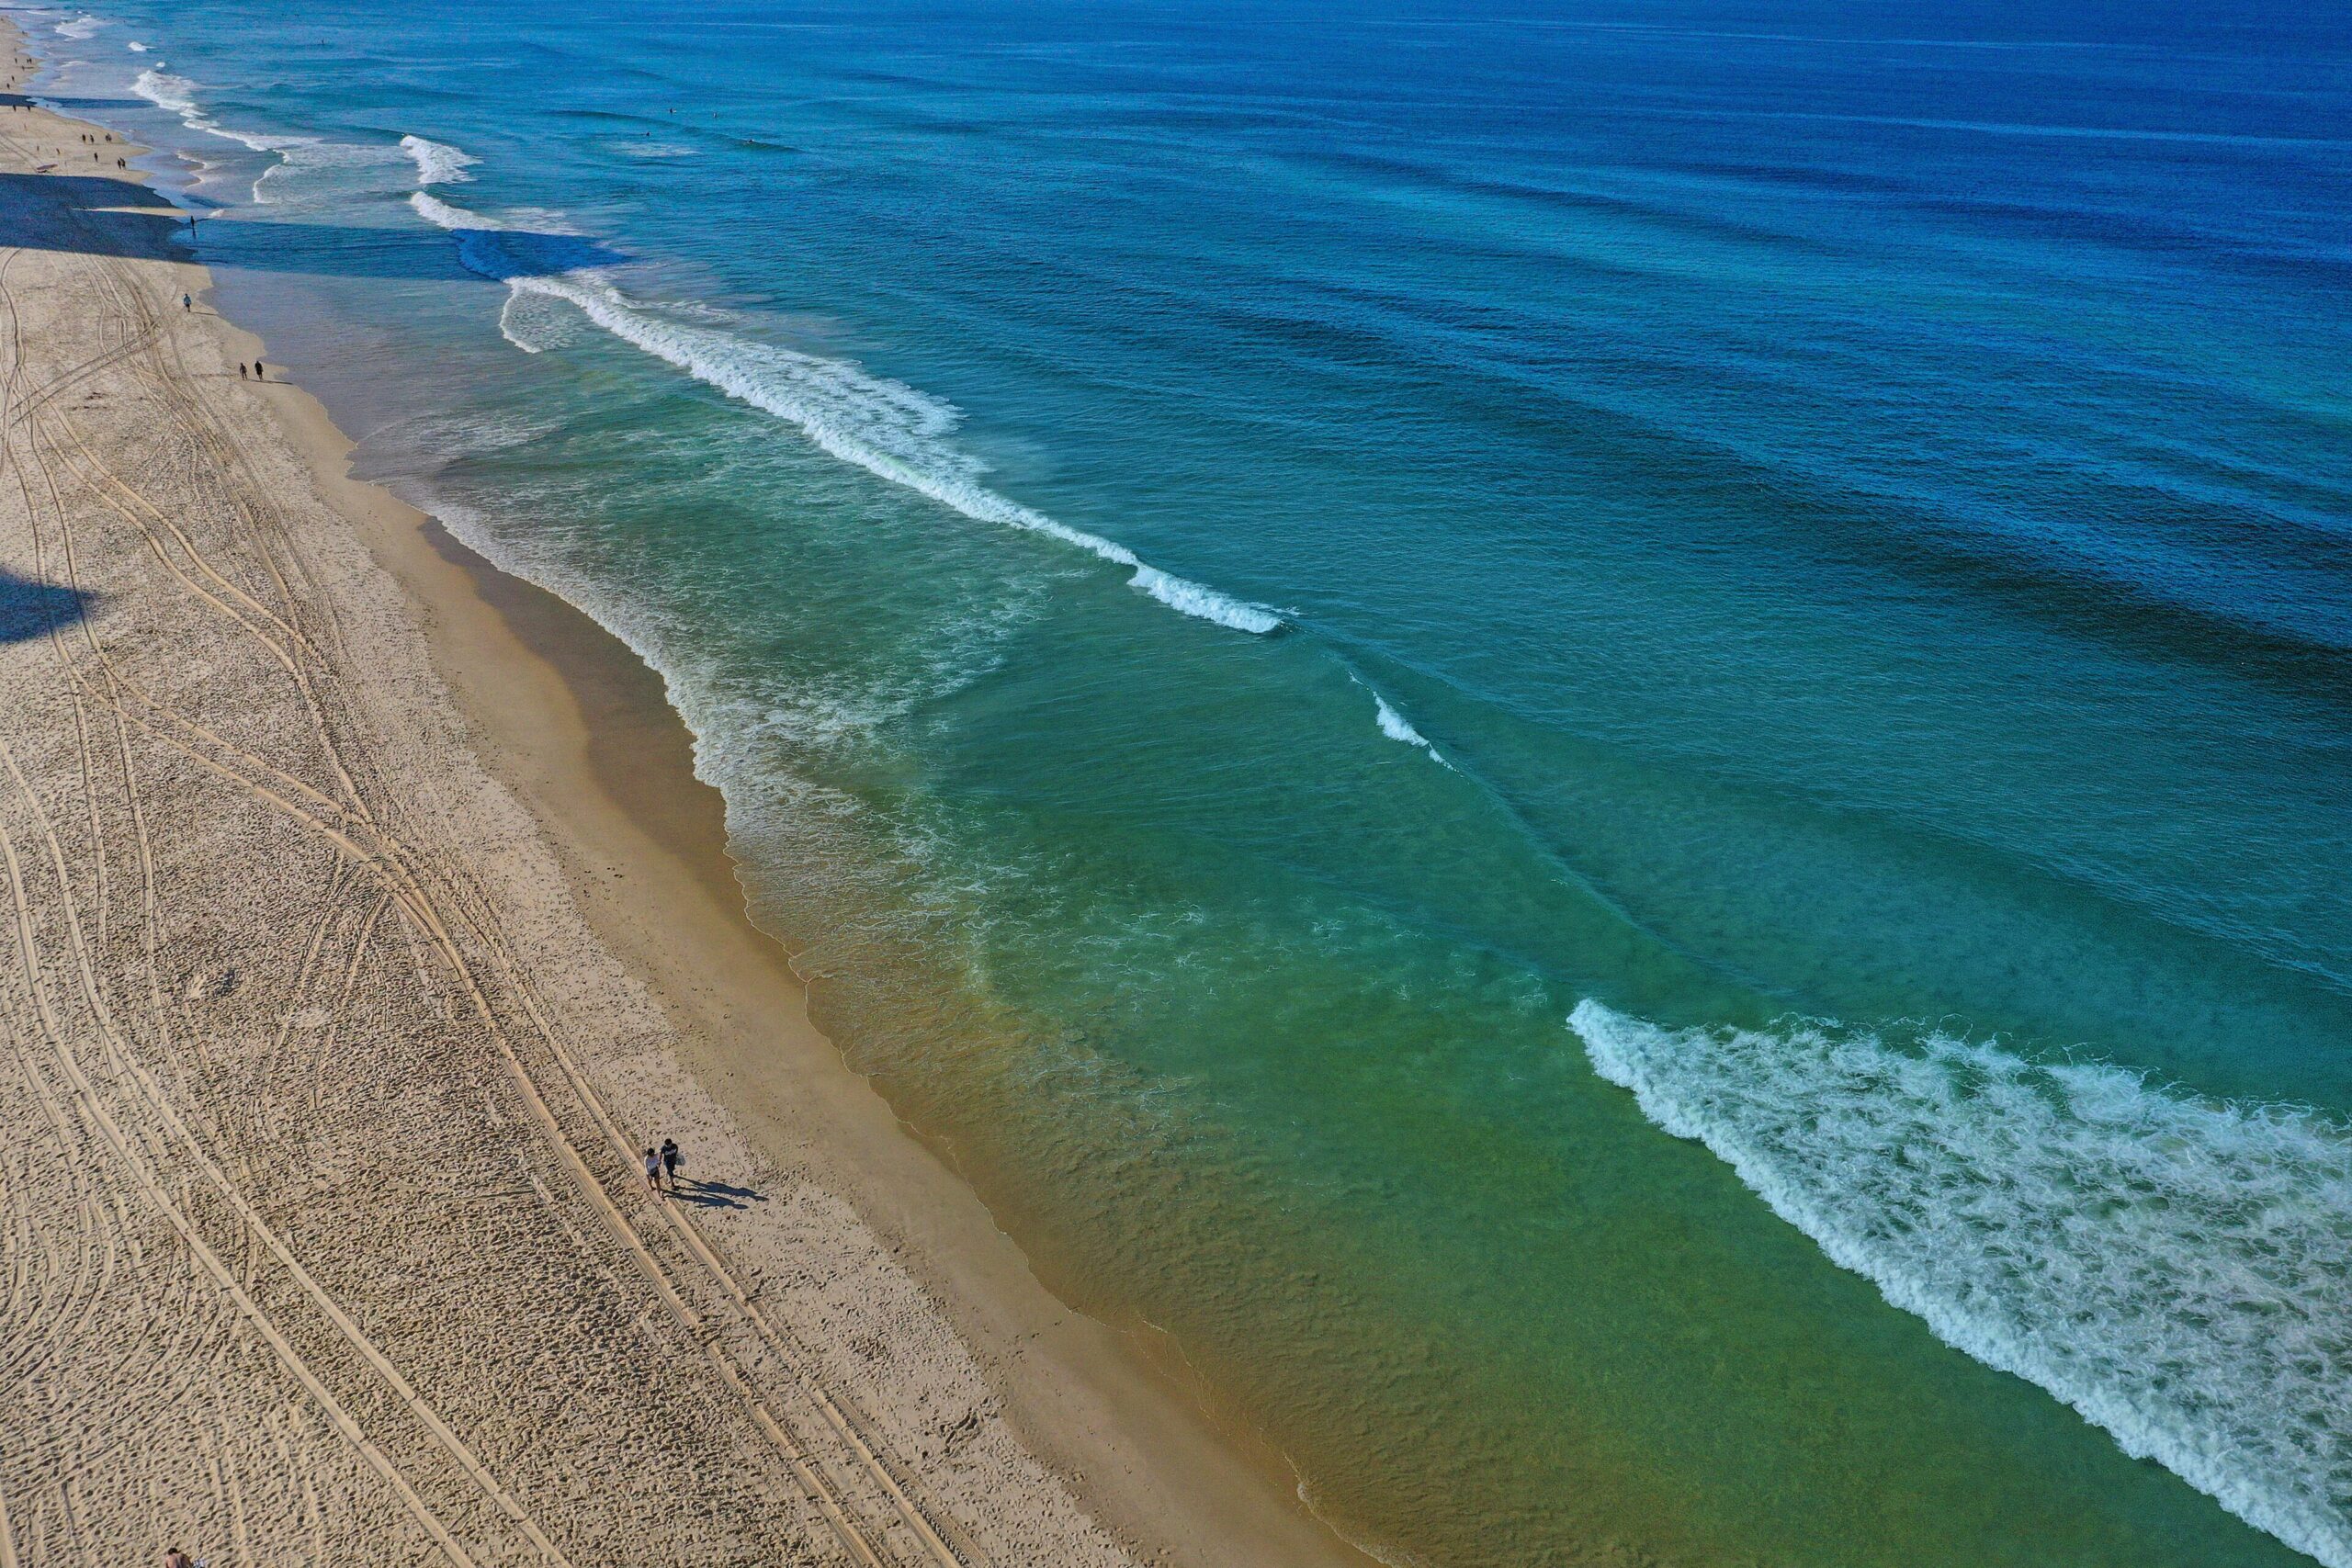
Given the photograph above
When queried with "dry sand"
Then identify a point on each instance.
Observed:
(362, 922)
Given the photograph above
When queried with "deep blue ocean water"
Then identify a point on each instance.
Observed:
(1608, 743)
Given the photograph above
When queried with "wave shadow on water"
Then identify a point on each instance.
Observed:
(115, 215)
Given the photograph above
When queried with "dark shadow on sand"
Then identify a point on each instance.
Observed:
(29, 609)
(717, 1194)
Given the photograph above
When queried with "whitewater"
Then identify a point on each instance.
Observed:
(1703, 526)
(886, 427)
(2177, 1270)
(292, 154)
(437, 163)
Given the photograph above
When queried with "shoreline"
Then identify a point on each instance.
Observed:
(577, 729)
(587, 738)
(1458, 1126)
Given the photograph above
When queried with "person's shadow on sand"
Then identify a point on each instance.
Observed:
(718, 1194)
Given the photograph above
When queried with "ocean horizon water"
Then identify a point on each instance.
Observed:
(1606, 742)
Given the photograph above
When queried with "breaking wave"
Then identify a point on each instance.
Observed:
(1394, 724)
(437, 163)
(80, 27)
(177, 94)
(886, 427)
(2176, 1270)
(167, 90)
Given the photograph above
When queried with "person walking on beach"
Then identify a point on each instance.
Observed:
(653, 1173)
(669, 1161)
(188, 301)
(241, 369)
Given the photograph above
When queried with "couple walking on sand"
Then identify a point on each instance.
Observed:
(661, 1162)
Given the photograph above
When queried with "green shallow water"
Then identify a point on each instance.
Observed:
(1816, 544)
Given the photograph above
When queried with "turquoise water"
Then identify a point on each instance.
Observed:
(1607, 742)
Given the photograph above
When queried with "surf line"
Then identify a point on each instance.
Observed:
(890, 429)
(2170, 1267)
(177, 95)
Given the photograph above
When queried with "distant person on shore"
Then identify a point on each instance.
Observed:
(176, 1558)
(188, 302)
(653, 1173)
(669, 1161)
(241, 369)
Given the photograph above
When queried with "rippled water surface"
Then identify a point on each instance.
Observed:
(1608, 741)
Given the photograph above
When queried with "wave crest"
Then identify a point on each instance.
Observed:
(177, 94)
(165, 91)
(437, 163)
(1396, 725)
(887, 428)
(2177, 1270)
(294, 155)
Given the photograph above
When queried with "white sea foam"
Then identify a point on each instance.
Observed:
(295, 154)
(2177, 1270)
(886, 427)
(136, 47)
(532, 322)
(81, 27)
(437, 163)
(1394, 724)
(735, 716)
(298, 156)
(165, 91)
(177, 94)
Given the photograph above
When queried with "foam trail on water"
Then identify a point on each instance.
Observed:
(167, 90)
(80, 27)
(294, 153)
(177, 94)
(437, 163)
(2177, 1270)
(136, 47)
(886, 427)
(513, 328)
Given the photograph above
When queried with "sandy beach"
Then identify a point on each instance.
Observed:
(364, 923)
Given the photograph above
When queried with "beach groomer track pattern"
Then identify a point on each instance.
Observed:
(322, 1241)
